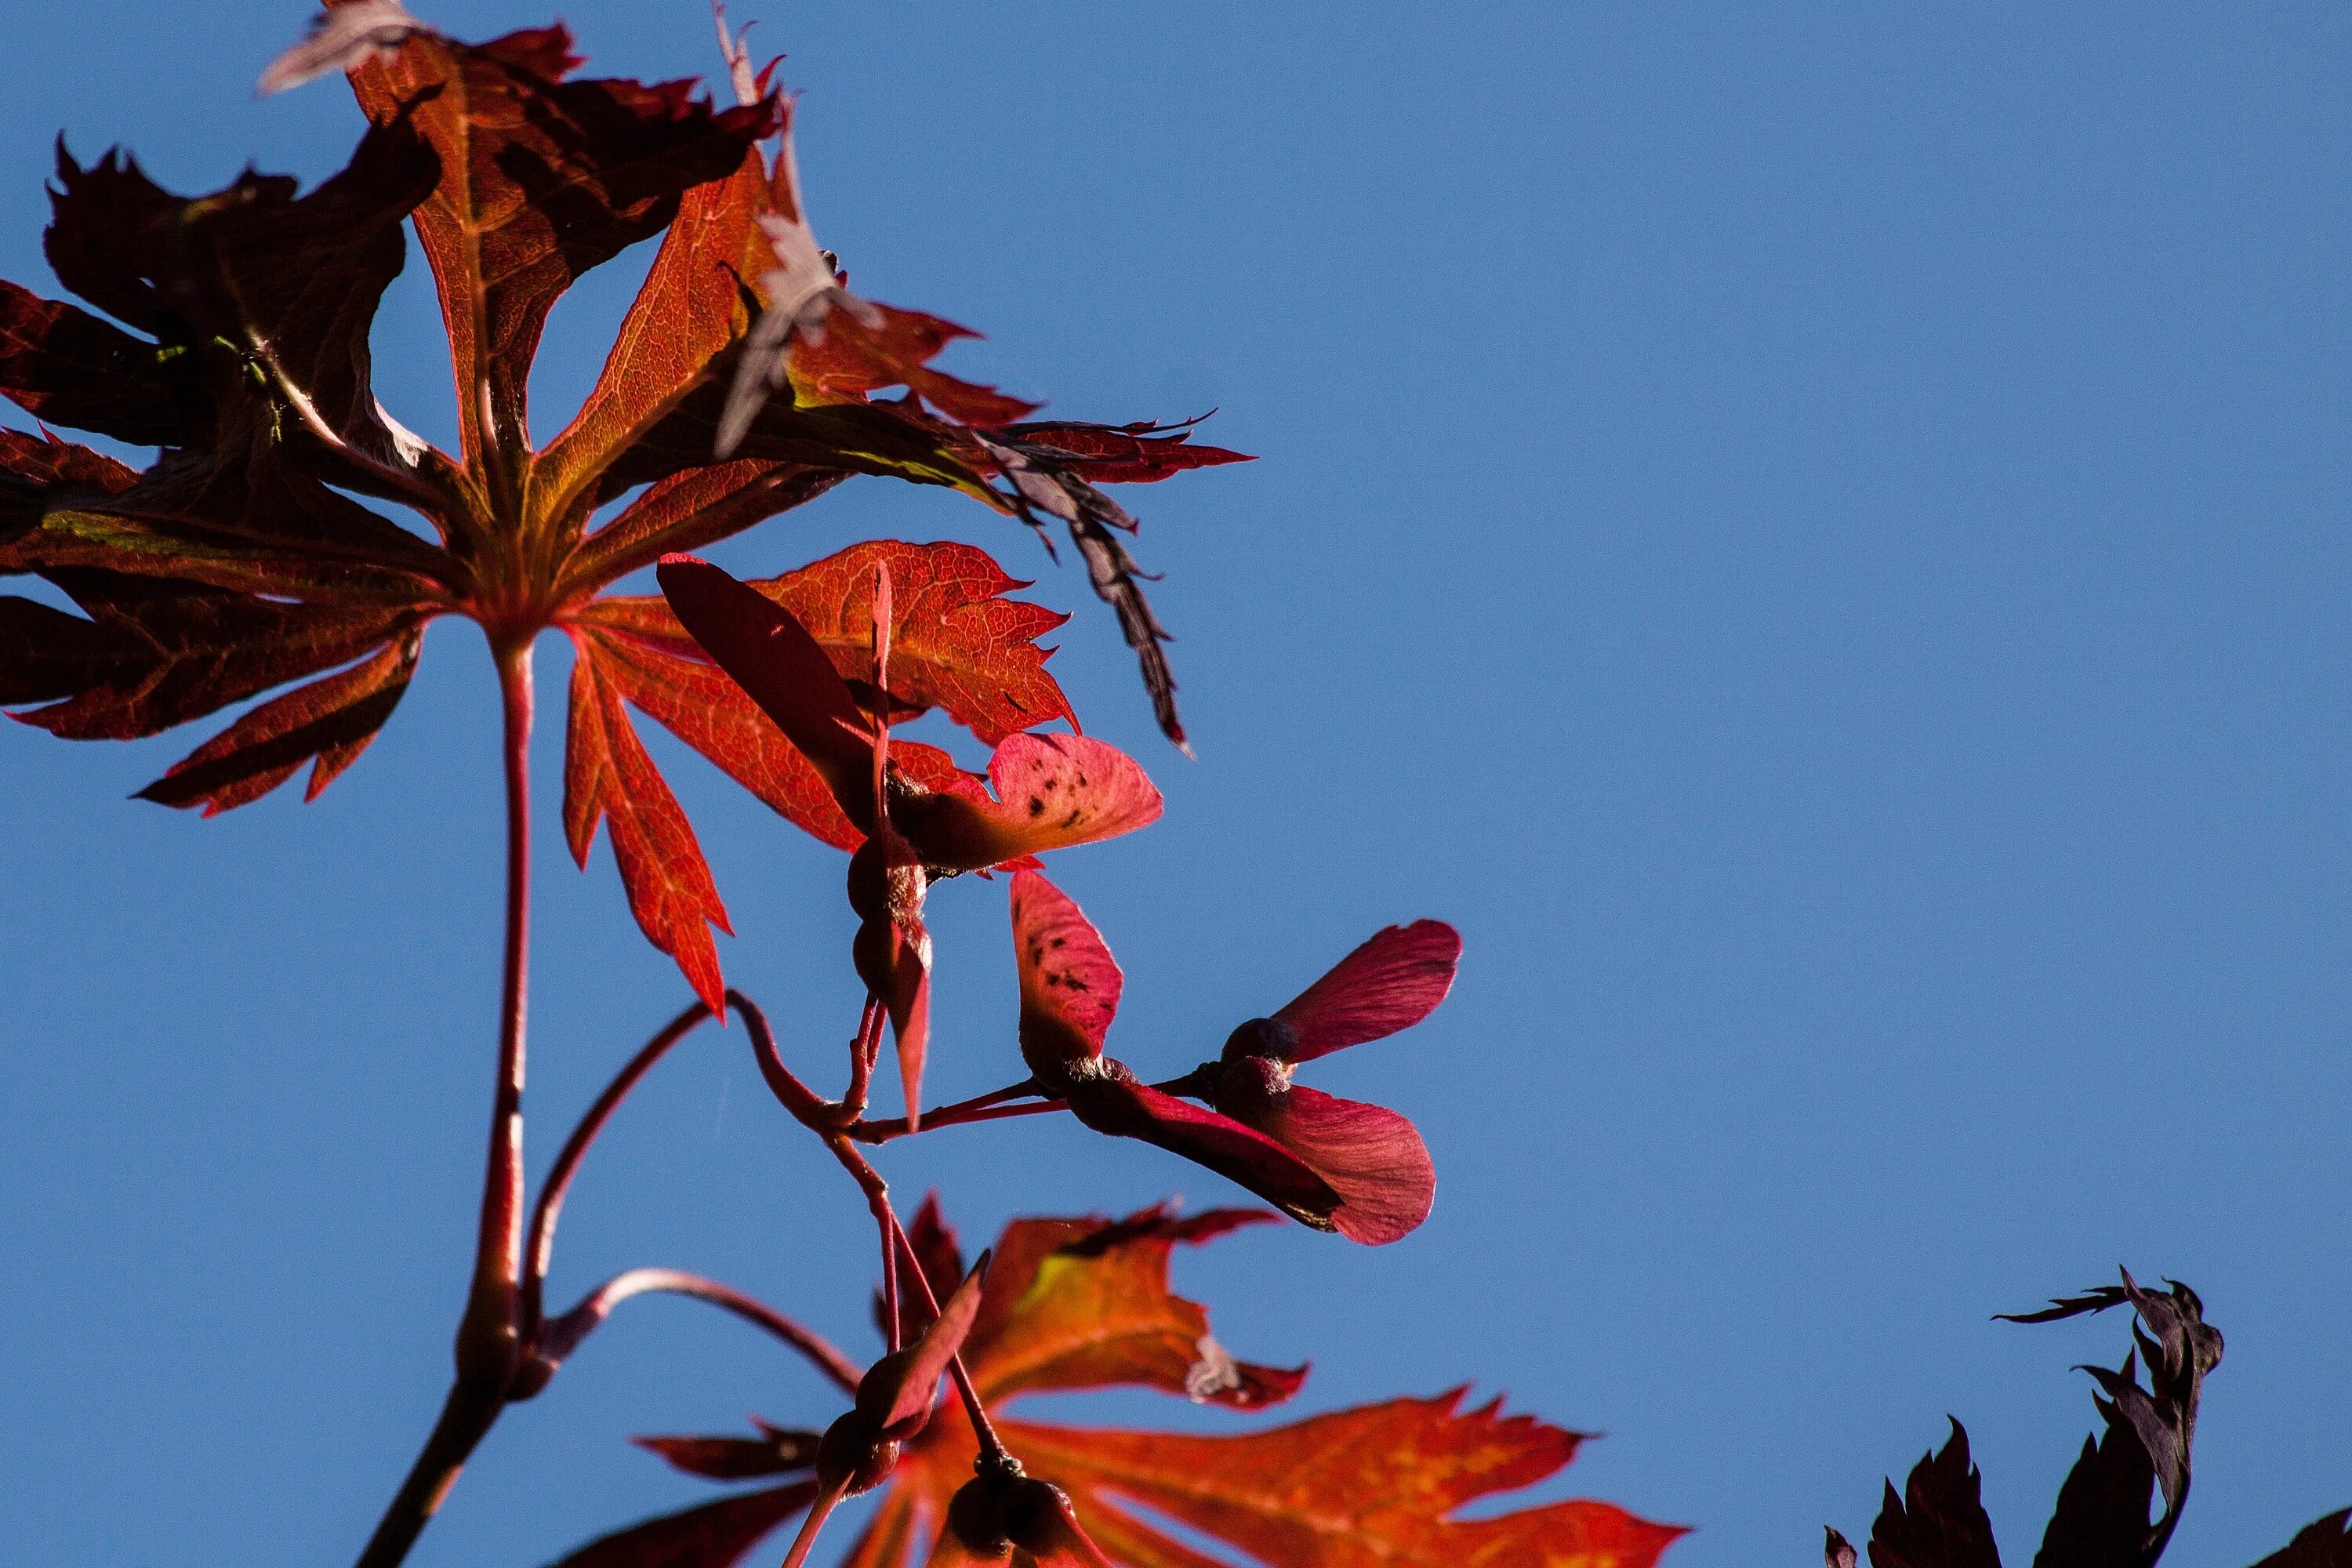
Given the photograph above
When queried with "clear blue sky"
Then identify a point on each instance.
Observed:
(1815, 534)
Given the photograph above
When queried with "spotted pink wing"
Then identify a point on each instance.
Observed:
(1069, 983)
(1051, 792)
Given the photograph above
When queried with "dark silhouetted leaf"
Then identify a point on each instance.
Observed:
(2101, 1520)
(1043, 483)
(1938, 1522)
(67, 365)
(1122, 454)
(156, 653)
(2321, 1544)
(2179, 1348)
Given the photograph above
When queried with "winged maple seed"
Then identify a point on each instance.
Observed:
(2140, 1458)
(921, 816)
(1334, 1163)
(1073, 1304)
(247, 555)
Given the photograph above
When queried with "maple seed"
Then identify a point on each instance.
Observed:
(1372, 1156)
(914, 827)
(1069, 994)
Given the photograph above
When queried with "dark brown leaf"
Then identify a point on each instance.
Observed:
(269, 293)
(158, 652)
(45, 460)
(2179, 1348)
(67, 365)
(886, 439)
(2321, 1544)
(331, 720)
(1938, 1522)
(1045, 484)
(1139, 453)
(2101, 1518)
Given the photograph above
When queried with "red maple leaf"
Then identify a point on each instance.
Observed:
(240, 561)
(1073, 1304)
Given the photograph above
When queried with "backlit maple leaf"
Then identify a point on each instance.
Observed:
(1075, 1304)
(244, 559)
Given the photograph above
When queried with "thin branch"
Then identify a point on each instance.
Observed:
(803, 1102)
(985, 1108)
(540, 1246)
(465, 1420)
(562, 1334)
(816, 1115)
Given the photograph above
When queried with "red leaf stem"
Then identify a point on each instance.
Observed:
(563, 1333)
(540, 1246)
(986, 1108)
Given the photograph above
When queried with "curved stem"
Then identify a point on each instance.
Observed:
(540, 1246)
(805, 1106)
(563, 1332)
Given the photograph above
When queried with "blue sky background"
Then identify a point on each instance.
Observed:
(1814, 535)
